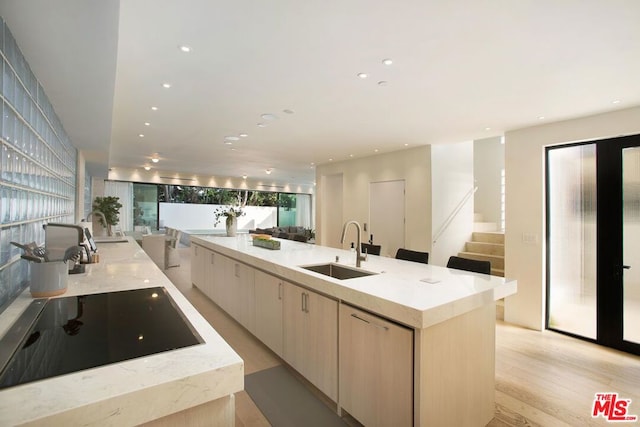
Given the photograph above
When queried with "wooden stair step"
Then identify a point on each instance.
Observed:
(488, 237)
(485, 248)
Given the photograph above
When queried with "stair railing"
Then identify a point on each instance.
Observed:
(455, 213)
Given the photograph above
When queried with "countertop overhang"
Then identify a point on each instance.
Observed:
(417, 295)
(134, 391)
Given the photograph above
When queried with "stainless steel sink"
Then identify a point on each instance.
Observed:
(338, 271)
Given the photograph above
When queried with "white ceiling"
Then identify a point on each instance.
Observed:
(459, 67)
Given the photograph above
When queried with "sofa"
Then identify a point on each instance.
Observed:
(294, 232)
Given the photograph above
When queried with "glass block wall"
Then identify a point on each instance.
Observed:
(38, 166)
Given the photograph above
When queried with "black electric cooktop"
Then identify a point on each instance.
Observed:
(63, 335)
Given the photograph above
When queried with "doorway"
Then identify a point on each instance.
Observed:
(593, 238)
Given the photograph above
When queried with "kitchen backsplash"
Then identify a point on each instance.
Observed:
(38, 166)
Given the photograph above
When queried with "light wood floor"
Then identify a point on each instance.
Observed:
(542, 378)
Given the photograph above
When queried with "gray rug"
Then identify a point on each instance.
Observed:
(285, 401)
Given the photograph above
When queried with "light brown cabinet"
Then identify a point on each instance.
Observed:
(238, 293)
(311, 337)
(376, 369)
(198, 265)
(216, 275)
(269, 299)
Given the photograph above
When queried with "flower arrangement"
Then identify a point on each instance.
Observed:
(230, 212)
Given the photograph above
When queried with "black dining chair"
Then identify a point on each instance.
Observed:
(415, 256)
(473, 265)
(367, 248)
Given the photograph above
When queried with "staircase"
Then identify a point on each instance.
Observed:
(487, 246)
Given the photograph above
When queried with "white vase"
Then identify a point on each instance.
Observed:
(232, 226)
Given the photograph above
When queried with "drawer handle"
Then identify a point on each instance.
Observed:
(280, 290)
(369, 322)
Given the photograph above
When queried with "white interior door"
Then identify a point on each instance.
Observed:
(386, 216)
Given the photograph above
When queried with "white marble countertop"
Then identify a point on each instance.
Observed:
(415, 294)
(136, 390)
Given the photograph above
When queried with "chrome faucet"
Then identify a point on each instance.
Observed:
(359, 256)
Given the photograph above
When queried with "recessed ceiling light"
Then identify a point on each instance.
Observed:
(617, 101)
(231, 138)
(350, 155)
(262, 125)
(312, 163)
(141, 135)
(541, 118)
(331, 160)
(383, 83)
(487, 128)
(269, 116)
(363, 75)
(166, 85)
(244, 176)
(147, 124)
(406, 144)
(268, 171)
(228, 143)
(375, 151)
(387, 61)
(154, 108)
(287, 111)
(147, 167)
(244, 135)
(155, 160)
(185, 49)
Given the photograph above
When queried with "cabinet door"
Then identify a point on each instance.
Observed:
(321, 359)
(245, 297)
(269, 297)
(239, 293)
(376, 369)
(207, 279)
(311, 337)
(197, 265)
(294, 327)
(217, 276)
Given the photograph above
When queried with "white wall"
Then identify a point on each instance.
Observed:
(452, 180)
(331, 208)
(187, 216)
(488, 162)
(524, 237)
(411, 165)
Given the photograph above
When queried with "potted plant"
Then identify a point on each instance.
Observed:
(231, 214)
(110, 208)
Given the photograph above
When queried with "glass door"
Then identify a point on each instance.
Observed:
(593, 238)
(631, 243)
(571, 237)
(145, 205)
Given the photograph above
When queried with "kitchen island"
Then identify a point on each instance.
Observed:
(190, 385)
(404, 344)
